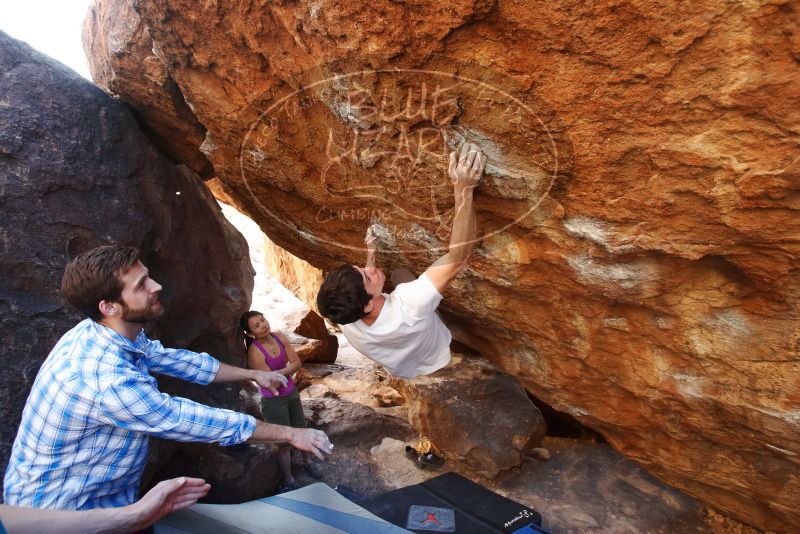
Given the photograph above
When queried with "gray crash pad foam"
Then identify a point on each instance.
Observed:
(316, 508)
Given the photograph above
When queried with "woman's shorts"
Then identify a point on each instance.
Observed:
(286, 410)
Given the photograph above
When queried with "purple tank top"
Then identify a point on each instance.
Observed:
(276, 363)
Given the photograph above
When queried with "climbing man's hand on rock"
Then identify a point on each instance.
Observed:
(371, 240)
(311, 440)
(466, 168)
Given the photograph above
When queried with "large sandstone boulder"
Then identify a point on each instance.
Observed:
(361, 386)
(638, 267)
(76, 172)
(474, 414)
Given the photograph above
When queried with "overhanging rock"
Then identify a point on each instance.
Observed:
(638, 266)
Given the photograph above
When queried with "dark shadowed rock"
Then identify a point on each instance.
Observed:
(76, 172)
(589, 487)
(475, 414)
(313, 326)
(352, 424)
(241, 473)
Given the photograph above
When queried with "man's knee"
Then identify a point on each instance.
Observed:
(401, 275)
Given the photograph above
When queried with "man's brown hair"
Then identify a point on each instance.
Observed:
(95, 276)
(342, 296)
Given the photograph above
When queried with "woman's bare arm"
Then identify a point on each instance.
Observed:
(294, 363)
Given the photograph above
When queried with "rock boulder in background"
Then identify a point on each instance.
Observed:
(310, 337)
(474, 414)
(350, 424)
(76, 172)
(303, 280)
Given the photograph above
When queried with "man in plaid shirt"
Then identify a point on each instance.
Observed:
(82, 442)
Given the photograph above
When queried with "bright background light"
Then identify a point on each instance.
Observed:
(50, 26)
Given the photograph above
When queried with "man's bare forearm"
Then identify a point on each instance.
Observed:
(306, 439)
(290, 369)
(465, 172)
(462, 236)
(271, 380)
(372, 246)
(24, 520)
(269, 433)
(231, 373)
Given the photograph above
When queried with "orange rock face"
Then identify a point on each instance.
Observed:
(638, 263)
(125, 58)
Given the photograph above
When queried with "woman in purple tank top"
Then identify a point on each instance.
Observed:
(269, 351)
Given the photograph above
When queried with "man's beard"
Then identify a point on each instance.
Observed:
(141, 315)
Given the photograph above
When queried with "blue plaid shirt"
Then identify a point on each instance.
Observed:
(82, 441)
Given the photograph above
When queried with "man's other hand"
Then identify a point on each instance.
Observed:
(270, 380)
(311, 440)
(166, 497)
(466, 169)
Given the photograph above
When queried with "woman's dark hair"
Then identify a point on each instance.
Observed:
(244, 324)
(342, 296)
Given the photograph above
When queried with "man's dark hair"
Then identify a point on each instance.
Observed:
(342, 296)
(96, 275)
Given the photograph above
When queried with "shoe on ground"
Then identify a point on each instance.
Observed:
(414, 456)
(430, 460)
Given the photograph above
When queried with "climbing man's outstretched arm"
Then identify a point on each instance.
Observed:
(465, 171)
(372, 244)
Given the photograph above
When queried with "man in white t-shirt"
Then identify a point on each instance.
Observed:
(401, 330)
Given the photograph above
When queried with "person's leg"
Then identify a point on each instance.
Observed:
(285, 463)
(312, 468)
(276, 411)
(401, 275)
(298, 420)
